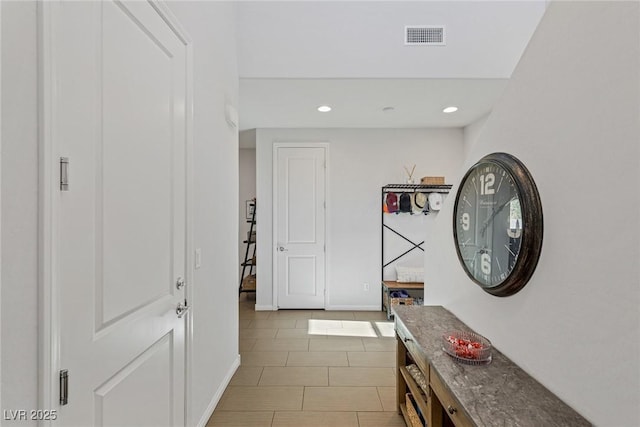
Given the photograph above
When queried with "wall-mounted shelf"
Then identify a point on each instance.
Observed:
(404, 188)
(386, 259)
(398, 188)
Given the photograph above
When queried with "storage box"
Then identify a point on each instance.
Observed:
(249, 282)
(412, 412)
(432, 180)
(401, 301)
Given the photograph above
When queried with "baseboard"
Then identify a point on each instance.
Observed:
(218, 395)
(354, 307)
(264, 308)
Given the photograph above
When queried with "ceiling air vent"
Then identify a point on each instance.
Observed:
(424, 35)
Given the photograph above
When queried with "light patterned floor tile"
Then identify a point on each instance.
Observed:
(258, 333)
(319, 327)
(247, 375)
(314, 368)
(304, 376)
(240, 419)
(293, 333)
(385, 329)
(302, 324)
(374, 359)
(350, 328)
(336, 315)
(336, 344)
(264, 358)
(246, 344)
(341, 399)
(317, 358)
(315, 419)
(291, 314)
(282, 344)
(239, 398)
(388, 398)
(254, 315)
(379, 344)
(380, 419)
(362, 376)
(273, 324)
(370, 315)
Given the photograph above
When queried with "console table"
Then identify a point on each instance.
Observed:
(497, 394)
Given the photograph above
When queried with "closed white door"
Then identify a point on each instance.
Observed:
(119, 116)
(300, 227)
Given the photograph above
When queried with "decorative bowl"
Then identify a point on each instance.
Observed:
(467, 347)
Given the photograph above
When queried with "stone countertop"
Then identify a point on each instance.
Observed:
(497, 394)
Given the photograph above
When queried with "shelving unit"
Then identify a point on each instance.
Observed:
(399, 189)
(248, 281)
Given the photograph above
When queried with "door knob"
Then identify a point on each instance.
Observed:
(282, 249)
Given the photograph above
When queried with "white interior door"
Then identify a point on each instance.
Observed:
(119, 115)
(300, 226)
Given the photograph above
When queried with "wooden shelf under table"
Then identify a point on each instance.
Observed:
(390, 285)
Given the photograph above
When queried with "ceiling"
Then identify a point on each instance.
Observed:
(359, 103)
(296, 56)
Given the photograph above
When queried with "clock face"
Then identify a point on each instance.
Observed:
(495, 224)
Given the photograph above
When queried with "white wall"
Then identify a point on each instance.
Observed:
(19, 208)
(247, 192)
(211, 26)
(356, 39)
(472, 133)
(360, 162)
(571, 113)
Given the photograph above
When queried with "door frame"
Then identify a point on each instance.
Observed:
(274, 219)
(0, 195)
(49, 335)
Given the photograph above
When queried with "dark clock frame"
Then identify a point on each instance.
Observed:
(532, 224)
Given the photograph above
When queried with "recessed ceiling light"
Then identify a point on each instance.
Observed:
(324, 108)
(450, 110)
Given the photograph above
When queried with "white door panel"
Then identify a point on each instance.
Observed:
(146, 377)
(300, 183)
(300, 227)
(303, 270)
(137, 78)
(119, 115)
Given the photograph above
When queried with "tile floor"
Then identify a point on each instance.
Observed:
(311, 368)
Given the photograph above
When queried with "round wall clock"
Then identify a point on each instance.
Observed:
(497, 224)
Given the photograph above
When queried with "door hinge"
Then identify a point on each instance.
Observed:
(64, 387)
(64, 174)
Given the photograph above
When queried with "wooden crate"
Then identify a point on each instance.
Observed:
(414, 418)
(249, 282)
(401, 301)
(432, 180)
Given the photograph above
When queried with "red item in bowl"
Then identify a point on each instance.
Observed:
(464, 348)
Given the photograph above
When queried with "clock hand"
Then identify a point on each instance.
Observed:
(496, 212)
